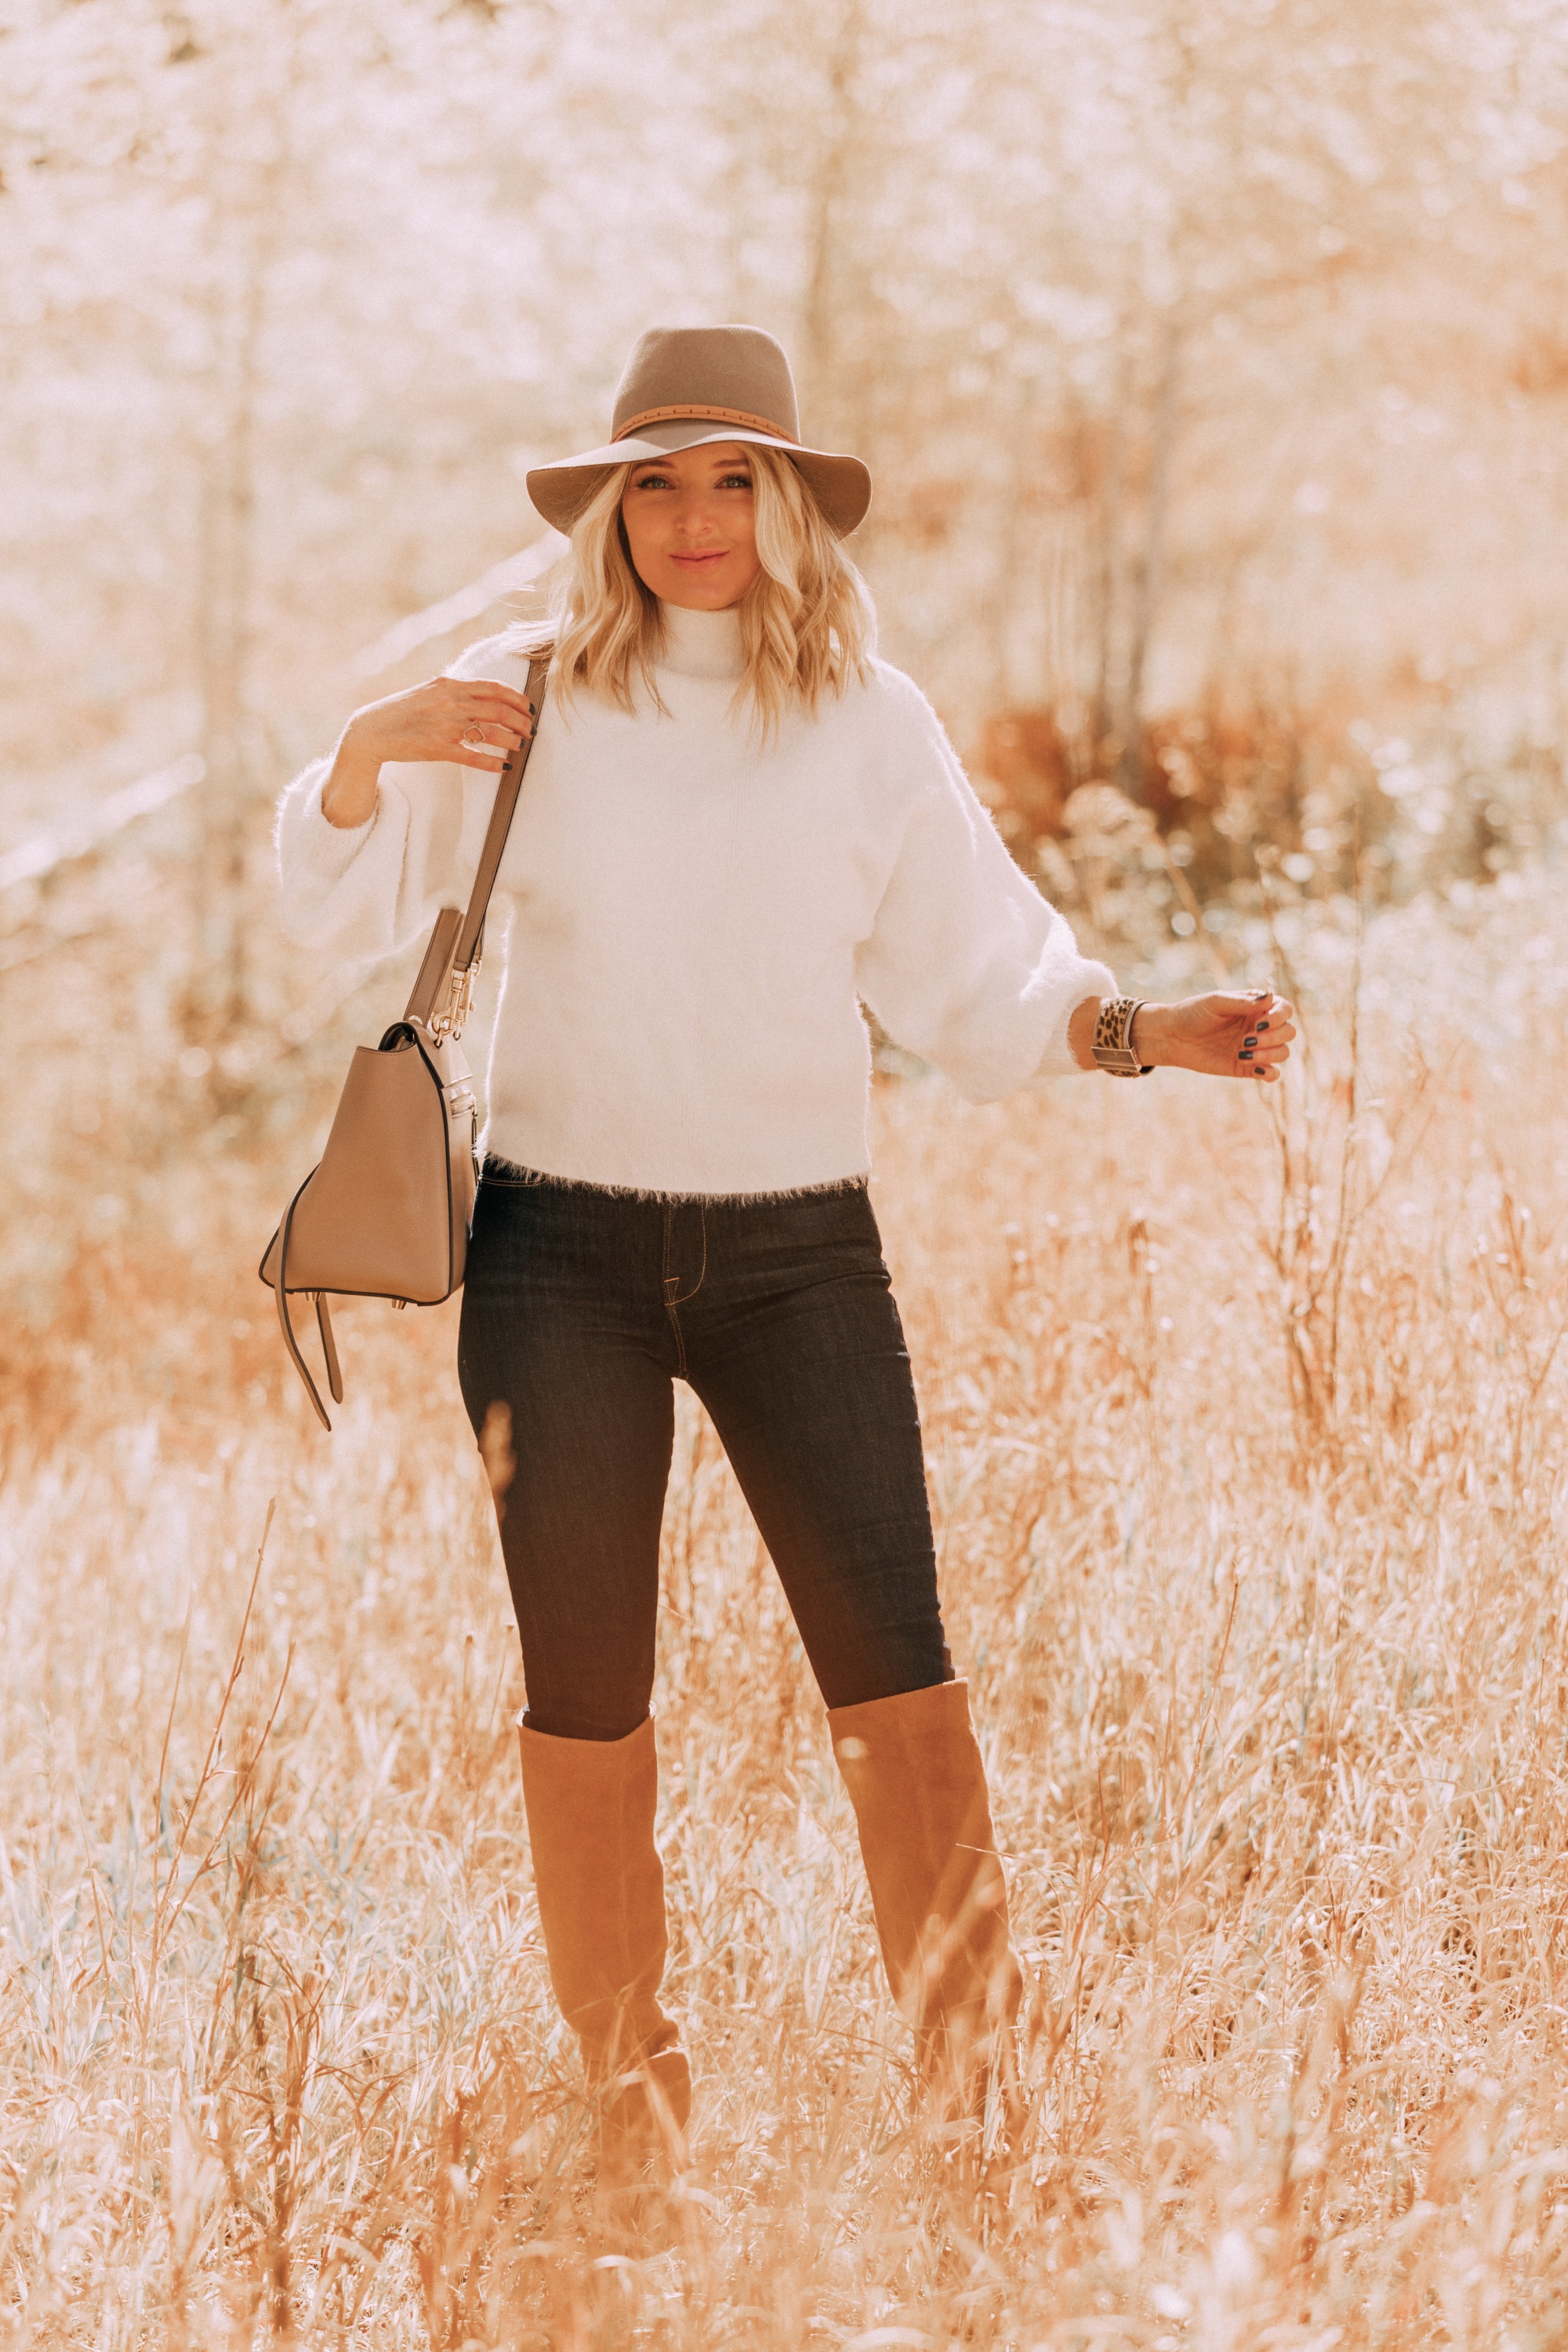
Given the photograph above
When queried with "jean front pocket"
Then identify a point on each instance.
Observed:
(506, 1176)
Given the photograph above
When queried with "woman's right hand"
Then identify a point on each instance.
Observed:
(472, 721)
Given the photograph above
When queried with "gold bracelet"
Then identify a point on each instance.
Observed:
(1113, 1046)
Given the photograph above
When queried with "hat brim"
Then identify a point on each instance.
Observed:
(841, 485)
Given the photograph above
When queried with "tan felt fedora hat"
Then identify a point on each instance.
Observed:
(685, 385)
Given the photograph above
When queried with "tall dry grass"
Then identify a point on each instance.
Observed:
(1245, 1452)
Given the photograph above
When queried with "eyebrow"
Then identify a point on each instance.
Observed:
(664, 465)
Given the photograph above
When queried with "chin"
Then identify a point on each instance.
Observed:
(702, 595)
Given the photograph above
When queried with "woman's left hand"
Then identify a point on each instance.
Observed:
(1228, 1033)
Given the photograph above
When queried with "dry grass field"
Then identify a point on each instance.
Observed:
(1247, 1454)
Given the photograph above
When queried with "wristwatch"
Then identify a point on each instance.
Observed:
(1112, 1048)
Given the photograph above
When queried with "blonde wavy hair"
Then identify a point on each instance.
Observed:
(807, 626)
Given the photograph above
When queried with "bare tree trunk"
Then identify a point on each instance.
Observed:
(224, 645)
(822, 388)
(1108, 576)
(1150, 579)
(245, 221)
(1061, 628)
(1008, 572)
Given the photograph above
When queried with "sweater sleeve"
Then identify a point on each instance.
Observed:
(370, 890)
(967, 965)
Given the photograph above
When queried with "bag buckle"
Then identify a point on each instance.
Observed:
(449, 1019)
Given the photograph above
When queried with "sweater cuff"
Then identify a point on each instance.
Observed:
(331, 849)
(1059, 1060)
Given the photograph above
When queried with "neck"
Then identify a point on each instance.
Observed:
(701, 645)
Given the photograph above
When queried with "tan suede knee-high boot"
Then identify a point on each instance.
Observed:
(600, 1885)
(912, 1767)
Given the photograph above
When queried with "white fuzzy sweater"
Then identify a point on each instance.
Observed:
(689, 918)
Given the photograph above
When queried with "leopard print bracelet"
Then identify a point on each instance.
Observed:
(1112, 1033)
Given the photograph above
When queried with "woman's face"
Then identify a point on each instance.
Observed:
(691, 526)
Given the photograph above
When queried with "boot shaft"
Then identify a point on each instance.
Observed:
(600, 1888)
(916, 1779)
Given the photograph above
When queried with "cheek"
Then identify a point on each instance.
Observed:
(636, 523)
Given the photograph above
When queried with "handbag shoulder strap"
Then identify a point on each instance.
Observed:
(443, 989)
(507, 791)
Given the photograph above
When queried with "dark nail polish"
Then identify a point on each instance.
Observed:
(1262, 1026)
(1244, 1055)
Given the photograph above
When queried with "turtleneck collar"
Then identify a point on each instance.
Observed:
(701, 645)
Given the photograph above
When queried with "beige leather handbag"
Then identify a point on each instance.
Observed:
(386, 1212)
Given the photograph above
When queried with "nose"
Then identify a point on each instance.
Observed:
(692, 518)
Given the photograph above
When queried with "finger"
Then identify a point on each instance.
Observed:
(1252, 1056)
(490, 730)
(1264, 1059)
(491, 714)
(494, 686)
(1269, 1027)
(503, 737)
(476, 760)
(503, 701)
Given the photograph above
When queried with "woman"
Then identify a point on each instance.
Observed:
(736, 821)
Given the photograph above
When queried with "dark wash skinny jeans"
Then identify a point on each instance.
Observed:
(581, 1309)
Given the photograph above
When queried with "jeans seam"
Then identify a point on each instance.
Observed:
(673, 1299)
(671, 1285)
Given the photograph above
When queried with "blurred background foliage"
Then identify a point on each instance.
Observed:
(1211, 357)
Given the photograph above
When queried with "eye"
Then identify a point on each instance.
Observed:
(651, 482)
(737, 481)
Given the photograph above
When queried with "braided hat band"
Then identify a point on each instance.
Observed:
(709, 415)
